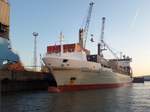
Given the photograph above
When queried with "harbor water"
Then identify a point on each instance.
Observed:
(135, 98)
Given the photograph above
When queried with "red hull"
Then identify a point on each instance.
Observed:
(85, 87)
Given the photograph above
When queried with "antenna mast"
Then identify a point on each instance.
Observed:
(61, 43)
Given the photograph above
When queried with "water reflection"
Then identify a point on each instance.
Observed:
(135, 98)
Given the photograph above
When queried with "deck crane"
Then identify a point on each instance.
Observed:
(83, 32)
(102, 44)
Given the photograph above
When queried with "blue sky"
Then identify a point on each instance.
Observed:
(127, 26)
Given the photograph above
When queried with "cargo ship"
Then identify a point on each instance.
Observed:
(6, 53)
(75, 68)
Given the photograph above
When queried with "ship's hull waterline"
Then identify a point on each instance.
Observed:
(78, 79)
(72, 74)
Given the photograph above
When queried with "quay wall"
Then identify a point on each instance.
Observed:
(12, 81)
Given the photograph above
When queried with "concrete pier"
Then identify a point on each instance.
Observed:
(12, 81)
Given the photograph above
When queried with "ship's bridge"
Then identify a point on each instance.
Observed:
(70, 51)
(75, 47)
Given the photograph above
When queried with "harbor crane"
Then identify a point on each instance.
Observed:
(102, 45)
(83, 32)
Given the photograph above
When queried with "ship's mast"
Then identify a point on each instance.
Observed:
(61, 43)
(83, 32)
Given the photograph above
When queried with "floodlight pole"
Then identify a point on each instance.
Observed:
(35, 50)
